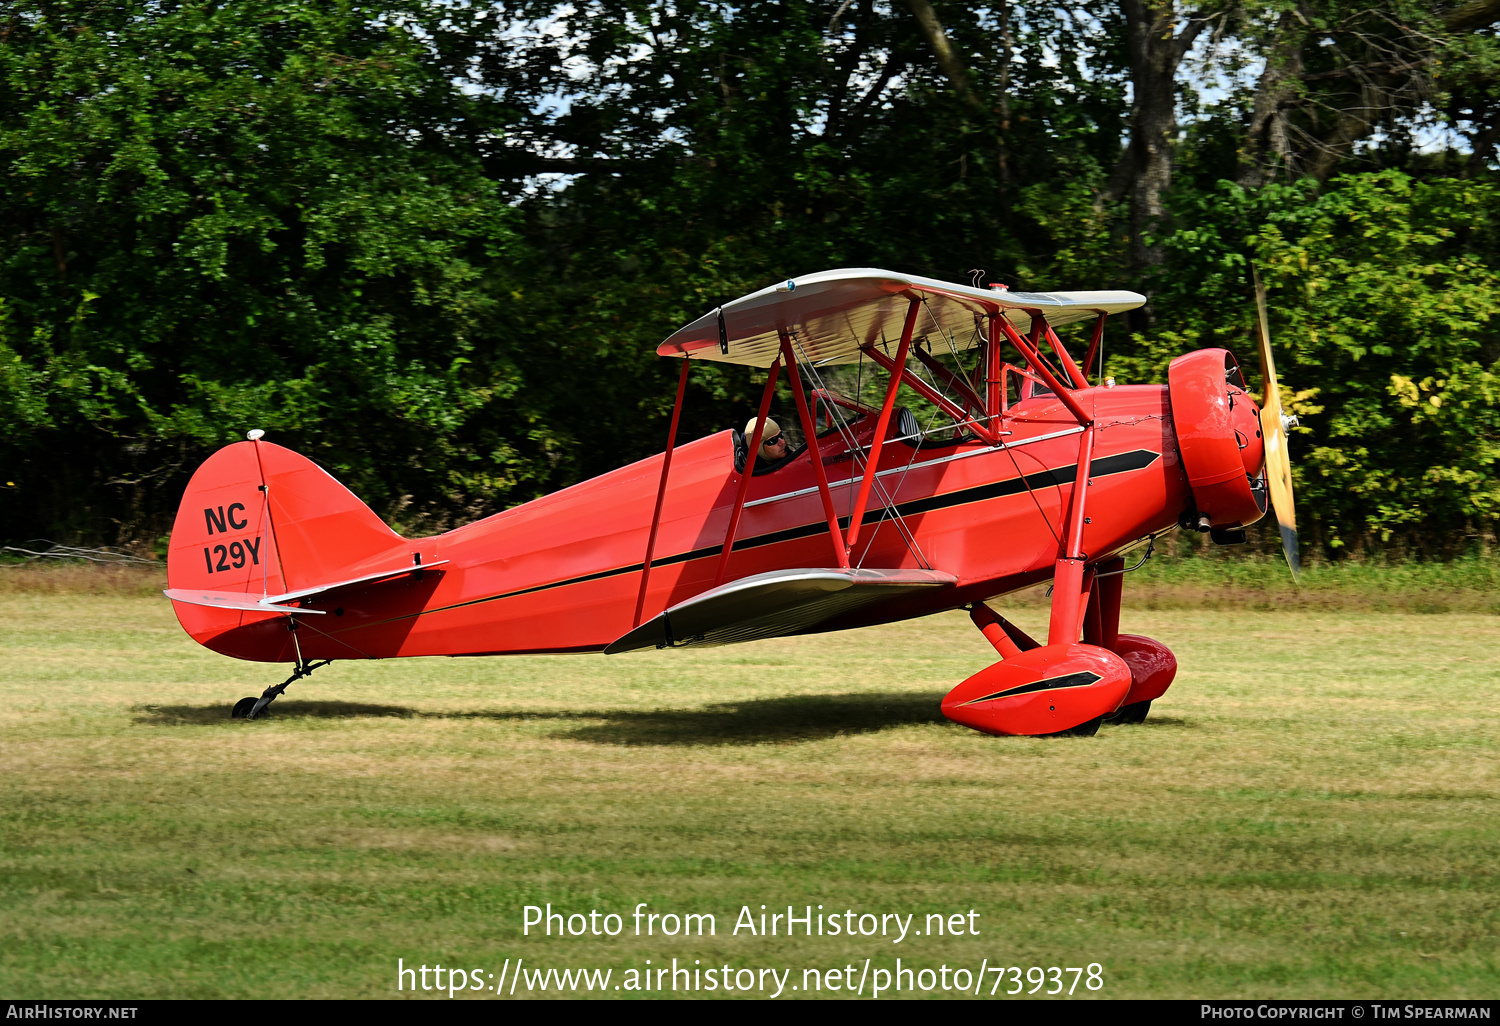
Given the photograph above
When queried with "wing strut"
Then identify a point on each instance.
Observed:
(927, 392)
(810, 432)
(1063, 357)
(661, 491)
(1071, 584)
(994, 383)
(1072, 580)
(959, 385)
(882, 423)
(739, 498)
(1094, 343)
(857, 452)
(1034, 358)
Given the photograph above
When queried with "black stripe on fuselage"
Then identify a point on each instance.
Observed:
(1082, 679)
(1105, 466)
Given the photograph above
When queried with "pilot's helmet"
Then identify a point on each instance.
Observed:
(772, 430)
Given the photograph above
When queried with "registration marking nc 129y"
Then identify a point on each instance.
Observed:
(234, 555)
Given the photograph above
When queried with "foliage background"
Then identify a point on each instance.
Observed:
(433, 245)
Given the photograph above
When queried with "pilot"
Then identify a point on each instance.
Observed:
(773, 444)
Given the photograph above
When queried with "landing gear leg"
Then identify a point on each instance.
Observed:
(1063, 686)
(1008, 639)
(249, 708)
(1152, 665)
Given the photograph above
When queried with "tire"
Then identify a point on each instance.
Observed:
(1133, 713)
(242, 708)
(1088, 728)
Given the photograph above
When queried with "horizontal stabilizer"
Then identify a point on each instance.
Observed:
(319, 589)
(230, 600)
(272, 603)
(774, 605)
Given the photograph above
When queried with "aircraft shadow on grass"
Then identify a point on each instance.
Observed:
(757, 721)
(762, 721)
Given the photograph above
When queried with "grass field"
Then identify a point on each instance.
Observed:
(1311, 811)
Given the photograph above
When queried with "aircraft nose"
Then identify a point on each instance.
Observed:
(1219, 436)
(1245, 417)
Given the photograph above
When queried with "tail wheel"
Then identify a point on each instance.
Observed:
(242, 708)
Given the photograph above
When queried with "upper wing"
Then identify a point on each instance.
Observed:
(832, 314)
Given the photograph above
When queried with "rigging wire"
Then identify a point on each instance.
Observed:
(1035, 501)
(921, 437)
(958, 360)
(336, 639)
(856, 452)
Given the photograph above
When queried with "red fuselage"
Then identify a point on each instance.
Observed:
(562, 573)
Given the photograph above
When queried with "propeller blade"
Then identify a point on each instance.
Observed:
(1273, 432)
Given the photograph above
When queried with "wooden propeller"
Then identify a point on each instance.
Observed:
(1273, 425)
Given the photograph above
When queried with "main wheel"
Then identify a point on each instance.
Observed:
(1088, 728)
(242, 708)
(1135, 712)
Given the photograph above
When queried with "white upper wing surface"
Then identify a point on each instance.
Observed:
(831, 315)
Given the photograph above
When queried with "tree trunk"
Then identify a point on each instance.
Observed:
(1267, 142)
(1007, 44)
(1144, 171)
(996, 121)
(948, 60)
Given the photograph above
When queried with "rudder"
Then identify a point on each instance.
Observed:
(259, 519)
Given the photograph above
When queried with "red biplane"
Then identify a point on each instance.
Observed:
(1024, 472)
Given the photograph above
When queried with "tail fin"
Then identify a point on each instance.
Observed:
(258, 519)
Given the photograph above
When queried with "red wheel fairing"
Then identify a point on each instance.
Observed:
(1152, 667)
(1041, 691)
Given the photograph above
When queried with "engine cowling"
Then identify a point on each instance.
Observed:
(1219, 437)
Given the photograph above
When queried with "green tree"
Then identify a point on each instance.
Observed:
(219, 217)
(435, 246)
(1385, 305)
